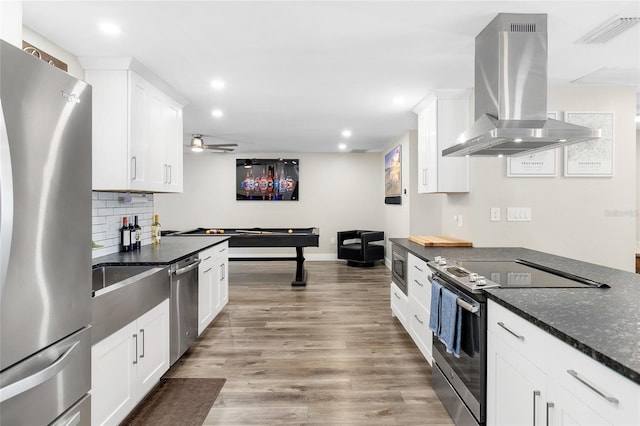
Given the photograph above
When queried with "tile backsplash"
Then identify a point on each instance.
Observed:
(108, 209)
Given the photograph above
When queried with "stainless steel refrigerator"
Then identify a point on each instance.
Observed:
(45, 243)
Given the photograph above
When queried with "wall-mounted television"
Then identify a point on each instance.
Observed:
(267, 179)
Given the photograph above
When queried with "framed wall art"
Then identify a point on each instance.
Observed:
(393, 176)
(591, 158)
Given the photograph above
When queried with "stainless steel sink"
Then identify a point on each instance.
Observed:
(105, 276)
(123, 293)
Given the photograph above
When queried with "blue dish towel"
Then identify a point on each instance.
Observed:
(450, 322)
(434, 315)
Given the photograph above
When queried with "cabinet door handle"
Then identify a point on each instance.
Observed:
(222, 272)
(418, 319)
(134, 168)
(609, 398)
(549, 405)
(396, 295)
(207, 258)
(135, 360)
(208, 270)
(170, 174)
(419, 269)
(501, 324)
(424, 176)
(142, 334)
(419, 283)
(536, 394)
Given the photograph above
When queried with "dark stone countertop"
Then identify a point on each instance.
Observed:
(170, 250)
(602, 323)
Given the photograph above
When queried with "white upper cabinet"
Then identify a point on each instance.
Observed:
(442, 116)
(137, 128)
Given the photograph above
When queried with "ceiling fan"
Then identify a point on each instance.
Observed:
(197, 144)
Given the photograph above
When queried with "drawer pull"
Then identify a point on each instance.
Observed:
(419, 269)
(536, 394)
(549, 405)
(207, 258)
(208, 270)
(609, 398)
(419, 283)
(396, 295)
(501, 324)
(418, 319)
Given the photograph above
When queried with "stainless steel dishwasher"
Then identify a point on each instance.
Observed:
(184, 306)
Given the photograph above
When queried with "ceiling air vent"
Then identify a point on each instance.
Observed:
(523, 28)
(609, 30)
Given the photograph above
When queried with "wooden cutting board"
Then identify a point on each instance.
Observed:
(431, 241)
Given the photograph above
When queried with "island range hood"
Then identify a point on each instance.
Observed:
(511, 93)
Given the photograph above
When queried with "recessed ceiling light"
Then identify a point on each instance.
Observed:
(217, 84)
(517, 140)
(217, 113)
(346, 133)
(109, 28)
(500, 155)
(399, 100)
(342, 146)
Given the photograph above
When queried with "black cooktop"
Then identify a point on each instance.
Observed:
(521, 273)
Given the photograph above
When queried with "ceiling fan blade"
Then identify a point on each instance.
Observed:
(220, 144)
(218, 148)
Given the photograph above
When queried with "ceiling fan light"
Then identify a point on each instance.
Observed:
(196, 143)
(248, 163)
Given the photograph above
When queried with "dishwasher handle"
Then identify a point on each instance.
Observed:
(188, 268)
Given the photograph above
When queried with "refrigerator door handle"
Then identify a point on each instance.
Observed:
(6, 202)
(38, 378)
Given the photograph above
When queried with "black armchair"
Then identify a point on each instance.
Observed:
(359, 247)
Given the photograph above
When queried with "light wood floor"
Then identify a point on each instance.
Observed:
(327, 353)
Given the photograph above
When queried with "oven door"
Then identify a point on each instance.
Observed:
(466, 375)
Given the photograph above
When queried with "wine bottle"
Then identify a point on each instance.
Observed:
(155, 231)
(138, 232)
(125, 236)
(132, 234)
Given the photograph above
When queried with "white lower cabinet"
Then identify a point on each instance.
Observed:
(399, 305)
(533, 378)
(127, 364)
(419, 328)
(413, 309)
(213, 284)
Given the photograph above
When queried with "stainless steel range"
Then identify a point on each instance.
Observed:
(460, 382)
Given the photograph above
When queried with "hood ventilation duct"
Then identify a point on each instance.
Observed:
(511, 93)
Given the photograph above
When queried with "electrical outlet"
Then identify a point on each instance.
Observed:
(458, 219)
(333, 240)
(495, 214)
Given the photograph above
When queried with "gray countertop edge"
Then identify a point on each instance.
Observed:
(622, 284)
(571, 341)
(171, 250)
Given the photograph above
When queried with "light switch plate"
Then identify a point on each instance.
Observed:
(519, 214)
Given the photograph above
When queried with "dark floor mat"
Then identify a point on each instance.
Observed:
(176, 401)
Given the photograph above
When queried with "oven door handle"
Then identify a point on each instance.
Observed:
(471, 307)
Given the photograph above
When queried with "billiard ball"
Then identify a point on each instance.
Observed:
(290, 231)
(207, 232)
(222, 231)
(215, 231)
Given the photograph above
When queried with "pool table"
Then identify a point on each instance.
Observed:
(268, 237)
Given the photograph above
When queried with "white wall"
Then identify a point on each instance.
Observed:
(591, 219)
(337, 192)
